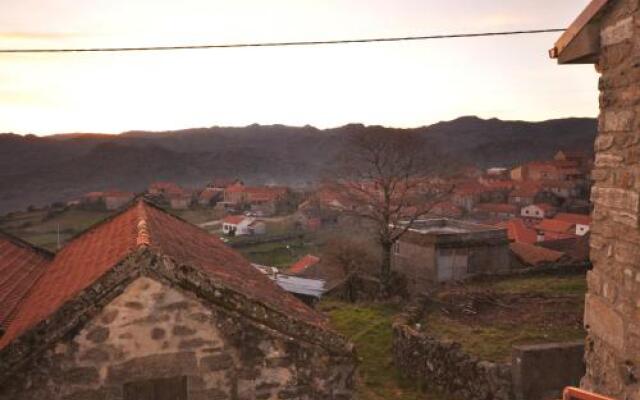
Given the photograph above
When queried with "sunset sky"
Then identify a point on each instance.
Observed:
(395, 84)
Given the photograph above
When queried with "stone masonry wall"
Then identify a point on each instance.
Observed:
(154, 331)
(612, 312)
(446, 366)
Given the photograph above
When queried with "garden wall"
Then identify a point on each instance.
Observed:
(534, 372)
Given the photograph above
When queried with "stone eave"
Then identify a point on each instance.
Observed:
(75, 313)
(580, 43)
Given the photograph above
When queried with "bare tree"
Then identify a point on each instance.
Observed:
(383, 177)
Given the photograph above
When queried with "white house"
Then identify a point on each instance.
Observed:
(538, 211)
(239, 225)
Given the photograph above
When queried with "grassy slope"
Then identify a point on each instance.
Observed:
(369, 327)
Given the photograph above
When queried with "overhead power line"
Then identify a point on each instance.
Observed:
(282, 44)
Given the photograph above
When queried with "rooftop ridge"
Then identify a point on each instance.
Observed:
(142, 238)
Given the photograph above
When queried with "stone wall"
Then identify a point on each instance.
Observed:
(153, 331)
(446, 366)
(535, 372)
(612, 313)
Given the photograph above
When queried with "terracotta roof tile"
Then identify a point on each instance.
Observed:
(89, 256)
(302, 264)
(535, 255)
(21, 265)
(233, 219)
(581, 219)
(518, 231)
(555, 225)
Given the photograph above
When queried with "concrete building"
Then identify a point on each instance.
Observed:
(147, 306)
(441, 250)
(607, 34)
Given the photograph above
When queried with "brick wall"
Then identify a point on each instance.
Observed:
(612, 313)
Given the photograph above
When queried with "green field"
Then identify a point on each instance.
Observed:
(369, 328)
(505, 312)
(42, 227)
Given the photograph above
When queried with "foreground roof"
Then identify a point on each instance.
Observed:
(580, 43)
(21, 265)
(144, 226)
(535, 255)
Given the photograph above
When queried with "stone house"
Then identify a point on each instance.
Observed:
(607, 34)
(442, 250)
(146, 306)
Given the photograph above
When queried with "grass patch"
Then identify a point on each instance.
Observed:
(369, 328)
(488, 317)
(493, 343)
(41, 228)
(564, 285)
(276, 254)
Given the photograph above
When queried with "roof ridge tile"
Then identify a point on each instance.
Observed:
(142, 238)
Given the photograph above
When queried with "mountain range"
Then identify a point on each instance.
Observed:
(40, 170)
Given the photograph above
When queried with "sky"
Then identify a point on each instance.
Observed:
(405, 84)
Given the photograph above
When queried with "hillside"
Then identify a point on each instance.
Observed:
(39, 170)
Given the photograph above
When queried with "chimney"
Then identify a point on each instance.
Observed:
(539, 236)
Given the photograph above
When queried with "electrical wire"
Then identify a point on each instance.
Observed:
(282, 44)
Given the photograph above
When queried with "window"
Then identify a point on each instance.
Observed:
(157, 389)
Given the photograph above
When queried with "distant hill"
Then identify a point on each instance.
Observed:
(40, 170)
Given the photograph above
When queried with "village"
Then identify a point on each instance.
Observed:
(401, 272)
(507, 232)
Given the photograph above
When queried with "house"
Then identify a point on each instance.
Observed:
(563, 189)
(148, 306)
(235, 194)
(580, 158)
(518, 231)
(443, 250)
(303, 264)
(538, 211)
(220, 184)
(114, 200)
(160, 188)
(553, 229)
(606, 35)
(109, 200)
(21, 265)
(209, 197)
(180, 200)
(497, 210)
(525, 195)
(581, 221)
(240, 225)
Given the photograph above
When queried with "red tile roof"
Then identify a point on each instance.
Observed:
(555, 225)
(517, 231)
(302, 264)
(85, 259)
(535, 255)
(21, 265)
(574, 218)
(233, 219)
